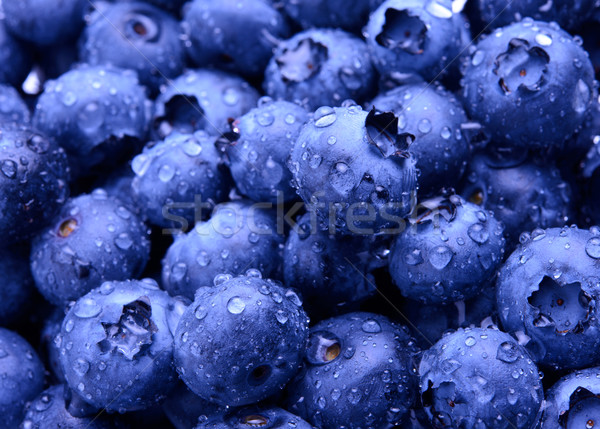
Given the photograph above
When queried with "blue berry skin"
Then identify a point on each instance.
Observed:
(319, 67)
(99, 115)
(258, 330)
(330, 14)
(17, 287)
(116, 345)
(523, 194)
(573, 401)
(12, 106)
(448, 253)
(49, 409)
(547, 290)
(22, 375)
(49, 349)
(569, 15)
(357, 163)
(251, 417)
(185, 409)
(34, 175)
(261, 143)
(468, 380)
(358, 373)
(233, 35)
(170, 5)
(94, 238)
(175, 171)
(15, 60)
(434, 117)
(202, 100)
(414, 37)
(135, 36)
(330, 272)
(237, 237)
(45, 23)
(521, 78)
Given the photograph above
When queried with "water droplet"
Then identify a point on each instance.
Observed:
(9, 168)
(354, 396)
(69, 98)
(140, 164)
(508, 352)
(331, 140)
(446, 133)
(315, 161)
(91, 117)
(69, 325)
(413, 257)
(178, 271)
(342, 178)
(448, 366)
(592, 247)
(581, 97)
(335, 394)
(438, 9)
(440, 256)
(478, 233)
(166, 173)
(470, 341)
(123, 241)
(231, 96)
(324, 116)
(200, 312)
(478, 58)
(281, 317)
(86, 308)
(289, 119)
(371, 326)
(265, 119)
(543, 39)
(321, 402)
(81, 366)
(235, 305)
(191, 147)
(424, 126)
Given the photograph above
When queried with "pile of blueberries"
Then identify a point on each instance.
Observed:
(295, 214)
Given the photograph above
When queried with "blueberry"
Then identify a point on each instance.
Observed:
(477, 377)
(185, 409)
(358, 373)
(212, 30)
(202, 100)
(330, 14)
(94, 238)
(49, 409)
(261, 143)
(135, 36)
(448, 253)
(435, 118)
(99, 115)
(521, 78)
(17, 285)
(33, 181)
(547, 290)
(420, 37)
(573, 401)
(254, 417)
(170, 175)
(49, 348)
(524, 194)
(15, 58)
(12, 106)
(44, 22)
(355, 164)
(22, 375)
(258, 332)
(116, 345)
(330, 272)
(320, 67)
(237, 237)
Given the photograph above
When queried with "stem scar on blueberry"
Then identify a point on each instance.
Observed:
(521, 67)
(255, 420)
(259, 375)
(382, 132)
(67, 228)
(402, 31)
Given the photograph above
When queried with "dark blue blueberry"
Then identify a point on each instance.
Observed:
(435, 118)
(185, 409)
(330, 272)
(172, 174)
(529, 84)
(480, 377)
(320, 67)
(34, 176)
(22, 375)
(254, 417)
(569, 15)
(523, 194)
(202, 100)
(44, 22)
(548, 290)
(12, 106)
(99, 115)
(234, 35)
(135, 36)
(449, 251)
(574, 401)
(116, 345)
(261, 143)
(354, 169)
(170, 5)
(17, 286)
(359, 373)
(93, 239)
(344, 14)
(241, 340)
(420, 37)
(237, 237)
(48, 343)
(49, 410)
(15, 58)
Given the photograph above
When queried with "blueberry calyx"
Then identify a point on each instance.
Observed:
(579, 400)
(132, 334)
(429, 211)
(302, 62)
(139, 25)
(521, 67)
(402, 31)
(382, 132)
